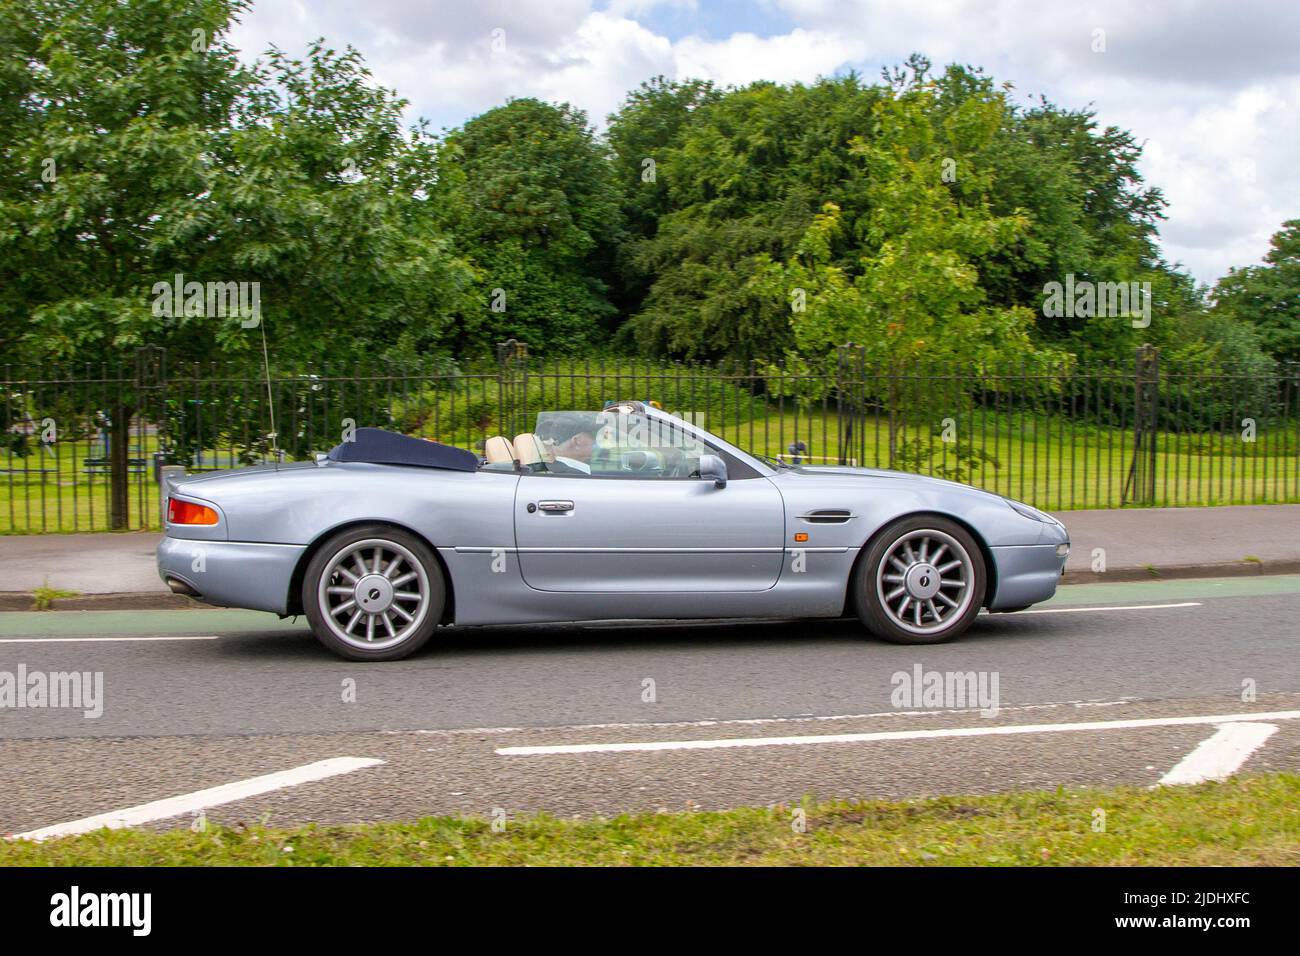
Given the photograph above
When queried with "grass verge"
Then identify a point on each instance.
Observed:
(1246, 820)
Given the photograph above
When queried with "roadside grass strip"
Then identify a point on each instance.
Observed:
(1245, 820)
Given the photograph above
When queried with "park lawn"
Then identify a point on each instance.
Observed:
(1049, 461)
(1054, 463)
(1251, 820)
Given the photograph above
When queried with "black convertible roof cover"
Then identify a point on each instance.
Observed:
(389, 448)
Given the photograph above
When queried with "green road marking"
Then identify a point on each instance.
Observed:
(1176, 590)
(132, 623)
(218, 621)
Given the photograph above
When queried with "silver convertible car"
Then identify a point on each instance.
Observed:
(625, 513)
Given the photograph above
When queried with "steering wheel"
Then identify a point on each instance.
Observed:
(642, 462)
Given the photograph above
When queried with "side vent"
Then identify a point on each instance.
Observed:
(828, 516)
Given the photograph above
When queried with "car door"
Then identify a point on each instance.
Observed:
(614, 531)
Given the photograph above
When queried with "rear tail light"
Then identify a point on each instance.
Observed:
(186, 512)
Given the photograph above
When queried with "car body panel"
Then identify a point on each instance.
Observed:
(652, 548)
(648, 534)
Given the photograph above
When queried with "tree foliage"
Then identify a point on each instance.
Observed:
(138, 148)
(529, 195)
(920, 216)
(1266, 298)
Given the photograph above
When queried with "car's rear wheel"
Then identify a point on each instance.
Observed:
(921, 581)
(373, 593)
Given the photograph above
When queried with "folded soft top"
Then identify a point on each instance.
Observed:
(380, 447)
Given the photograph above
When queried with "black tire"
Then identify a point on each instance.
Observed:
(879, 611)
(378, 544)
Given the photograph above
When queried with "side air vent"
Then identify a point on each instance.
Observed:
(828, 516)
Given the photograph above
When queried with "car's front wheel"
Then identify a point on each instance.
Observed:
(921, 581)
(373, 593)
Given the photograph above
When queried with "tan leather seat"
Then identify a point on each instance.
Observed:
(498, 450)
(532, 450)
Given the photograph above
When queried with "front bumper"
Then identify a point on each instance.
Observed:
(232, 573)
(1026, 574)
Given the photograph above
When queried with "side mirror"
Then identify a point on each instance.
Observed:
(713, 468)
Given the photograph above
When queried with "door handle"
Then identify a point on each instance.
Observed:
(555, 507)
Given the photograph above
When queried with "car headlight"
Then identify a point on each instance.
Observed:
(1032, 513)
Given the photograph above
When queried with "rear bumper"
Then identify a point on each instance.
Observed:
(232, 573)
(1025, 575)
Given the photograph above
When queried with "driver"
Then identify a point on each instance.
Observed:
(574, 439)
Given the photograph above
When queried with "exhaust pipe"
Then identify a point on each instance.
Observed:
(180, 587)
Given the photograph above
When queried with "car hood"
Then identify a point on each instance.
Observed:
(845, 471)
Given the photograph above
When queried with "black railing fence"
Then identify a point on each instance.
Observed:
(82, 445)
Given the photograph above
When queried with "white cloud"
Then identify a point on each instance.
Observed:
(799, 55)
(1213, 90)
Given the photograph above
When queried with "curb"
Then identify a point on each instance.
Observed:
(119, 601)
(1230, 569)
(167, 601)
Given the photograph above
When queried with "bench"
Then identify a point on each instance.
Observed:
(100, 466)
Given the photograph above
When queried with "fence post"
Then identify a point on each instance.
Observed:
(1140, 485)
(850, 399)
(512, 362)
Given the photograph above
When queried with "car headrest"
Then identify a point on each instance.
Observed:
(532, 450)
(498, 450)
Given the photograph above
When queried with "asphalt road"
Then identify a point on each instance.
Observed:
(247, 696)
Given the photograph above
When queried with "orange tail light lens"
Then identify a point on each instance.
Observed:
(186, 512)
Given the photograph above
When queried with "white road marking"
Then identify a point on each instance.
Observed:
(100, 640)
(203, 799)
(1127, 607)
(795, 719)
(1221, 755)
(718, 744)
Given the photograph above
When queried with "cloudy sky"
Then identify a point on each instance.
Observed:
(1211, 88)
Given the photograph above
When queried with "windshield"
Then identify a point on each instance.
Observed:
(615, 442)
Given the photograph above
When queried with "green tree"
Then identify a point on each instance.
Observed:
(1267, 296)
(529, 194)
(136, 148)
(742, 178)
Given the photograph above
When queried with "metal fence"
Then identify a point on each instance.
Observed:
(82, 445)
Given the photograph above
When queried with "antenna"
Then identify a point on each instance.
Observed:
(270, 399)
